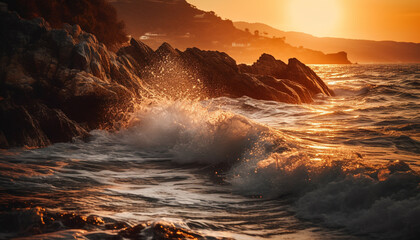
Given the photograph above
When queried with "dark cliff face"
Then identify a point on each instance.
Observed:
(57, 84)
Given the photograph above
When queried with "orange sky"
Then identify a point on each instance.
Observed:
(397, 20)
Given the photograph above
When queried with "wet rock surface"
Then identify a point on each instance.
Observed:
(57, 84)
(21, 222)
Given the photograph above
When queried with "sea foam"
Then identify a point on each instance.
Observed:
(339, 188)
(191, 132)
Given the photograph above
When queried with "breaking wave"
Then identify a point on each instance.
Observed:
(338, 187)
(245, 168)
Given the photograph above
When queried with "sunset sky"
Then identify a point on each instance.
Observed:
(397, 20)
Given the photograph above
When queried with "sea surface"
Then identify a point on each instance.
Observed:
(344, 167)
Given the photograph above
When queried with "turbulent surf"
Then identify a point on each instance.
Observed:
(343, 167)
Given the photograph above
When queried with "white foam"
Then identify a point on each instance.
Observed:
(341, 190)
(382, 201)
(191, 132)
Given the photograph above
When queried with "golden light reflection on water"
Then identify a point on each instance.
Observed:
(324, 147)
(19, 170)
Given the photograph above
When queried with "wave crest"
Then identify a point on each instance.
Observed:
(191, 132)
(340, 188)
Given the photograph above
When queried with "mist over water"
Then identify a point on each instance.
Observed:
(344, 167)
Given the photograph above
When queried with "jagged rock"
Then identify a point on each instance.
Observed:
(293, 83)
(39, 125)
(19, 128)
(303, 93)
(55, 124)
(81, 56)
(132, 232)
(116, 225)
(86, 98)
(295, 75)
(295, 91)
(137, 54)
(166, 51)
(266, 65)
(221, 77)
(57, 84)
(158, 231)
(302, 74)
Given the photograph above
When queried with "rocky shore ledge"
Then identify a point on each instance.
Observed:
(57, 84)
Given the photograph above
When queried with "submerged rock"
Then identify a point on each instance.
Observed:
(57, 84)
(158, 231)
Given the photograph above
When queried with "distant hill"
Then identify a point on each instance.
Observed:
(363, 51)
(183, 25)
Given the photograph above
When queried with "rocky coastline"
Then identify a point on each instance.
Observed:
(57, 84)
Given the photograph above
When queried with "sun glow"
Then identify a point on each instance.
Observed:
(319, 17)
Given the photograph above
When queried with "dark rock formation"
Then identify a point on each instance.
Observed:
(219, 75)
(137, 52)
(56, 84)
(222, 77)
(338, 58)
(39, 221)
(298, 74)
(302, 74)
(266, 65)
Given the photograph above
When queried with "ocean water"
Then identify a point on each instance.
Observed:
(344, 167)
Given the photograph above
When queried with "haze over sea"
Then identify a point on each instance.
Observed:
(343, 167)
